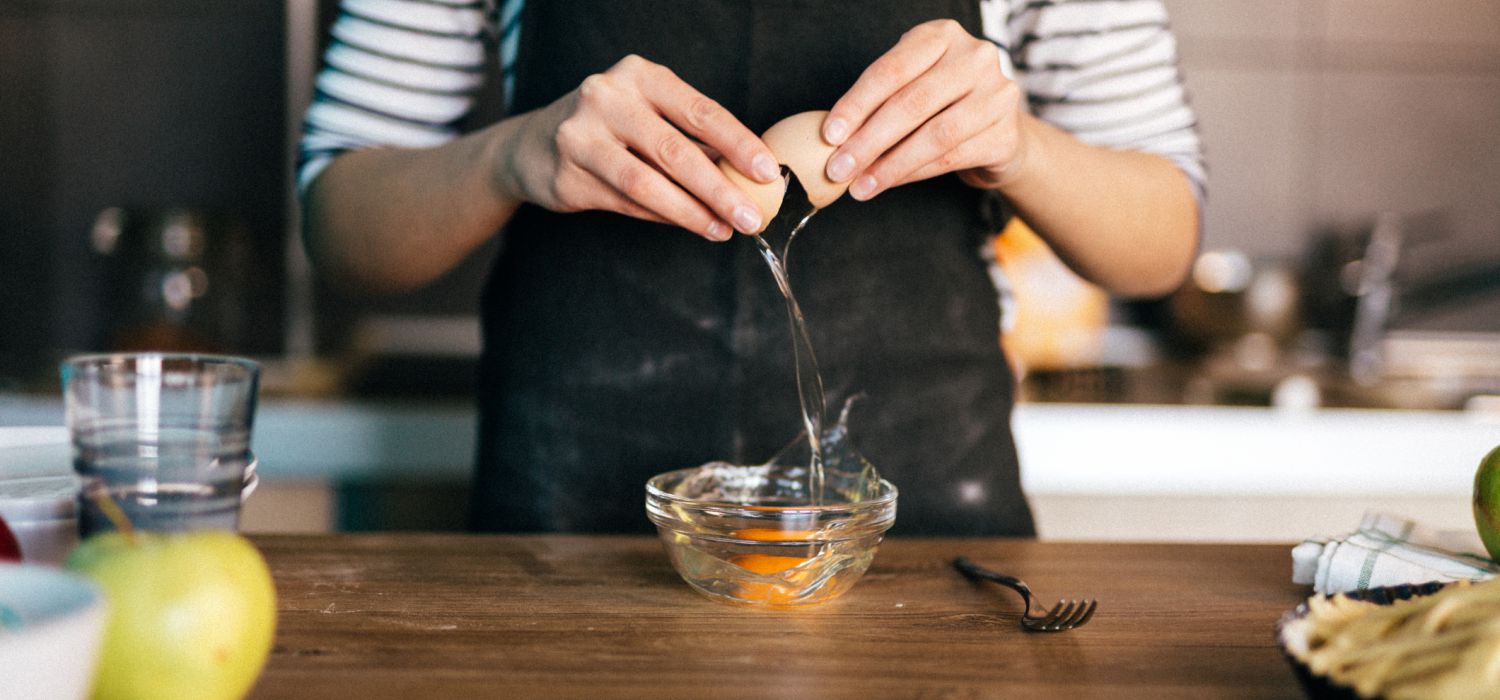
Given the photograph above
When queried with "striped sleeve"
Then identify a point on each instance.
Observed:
(1104, 70)
(400, 73)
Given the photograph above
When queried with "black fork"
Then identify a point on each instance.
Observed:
(1066, 615)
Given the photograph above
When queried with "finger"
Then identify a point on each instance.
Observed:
(900, 116)
(586, 192)
(710, 152)
(640, 183)
(930, 143)
(971, 154)
(708, 121)
(685, 164)
(913, 55)
(611, 199)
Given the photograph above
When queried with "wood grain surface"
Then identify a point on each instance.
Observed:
(406, 616)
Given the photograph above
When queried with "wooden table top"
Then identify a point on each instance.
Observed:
(369, 617)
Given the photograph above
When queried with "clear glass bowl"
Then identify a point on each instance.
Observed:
(752, 535)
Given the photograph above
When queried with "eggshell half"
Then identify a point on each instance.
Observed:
(797, 142)
(766, 195)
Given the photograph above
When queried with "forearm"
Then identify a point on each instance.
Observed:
(1125, 220)
(389, 219)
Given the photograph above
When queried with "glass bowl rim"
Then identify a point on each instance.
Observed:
(886, 499)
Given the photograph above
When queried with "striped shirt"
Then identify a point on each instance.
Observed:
(404, 72)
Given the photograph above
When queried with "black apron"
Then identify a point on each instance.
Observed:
(616, 349)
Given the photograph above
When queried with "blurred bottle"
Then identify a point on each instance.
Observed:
(176, 279)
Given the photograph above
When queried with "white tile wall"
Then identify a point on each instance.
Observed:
(1239, 19)
(1251, 123)
(1444, 21)
(1410, 142)
(1318, 112)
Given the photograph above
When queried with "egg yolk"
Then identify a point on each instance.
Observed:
(769, 564)
(766, 534)
(765, 563)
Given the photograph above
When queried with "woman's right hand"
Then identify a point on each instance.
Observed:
(621, 143)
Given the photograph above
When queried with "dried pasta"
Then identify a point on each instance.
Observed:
(1446, 645)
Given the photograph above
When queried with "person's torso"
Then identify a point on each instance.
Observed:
(616, 348)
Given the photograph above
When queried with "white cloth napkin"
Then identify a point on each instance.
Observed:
(1389, 550)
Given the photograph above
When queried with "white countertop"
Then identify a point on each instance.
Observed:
(1066, 449)
(1199, 450)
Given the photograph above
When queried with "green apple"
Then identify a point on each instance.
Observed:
(191, 615)
(1487, 502)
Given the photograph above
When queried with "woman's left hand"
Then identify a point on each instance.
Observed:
(936, 103)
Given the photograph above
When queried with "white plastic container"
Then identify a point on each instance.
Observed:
(42, 511)
(38, 492)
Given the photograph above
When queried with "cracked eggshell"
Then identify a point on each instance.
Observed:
(766, 195)
(797, 142)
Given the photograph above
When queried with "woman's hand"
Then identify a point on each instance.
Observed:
(935, 103)
(624, 142)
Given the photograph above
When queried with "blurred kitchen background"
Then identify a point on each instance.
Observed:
(1337, 349)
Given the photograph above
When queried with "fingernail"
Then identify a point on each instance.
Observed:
(835, 130)
(841, 167)
(862, 188)
(747, 220)
(718, 231)
(765, 168)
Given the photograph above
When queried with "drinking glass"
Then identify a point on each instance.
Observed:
(165, 436)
